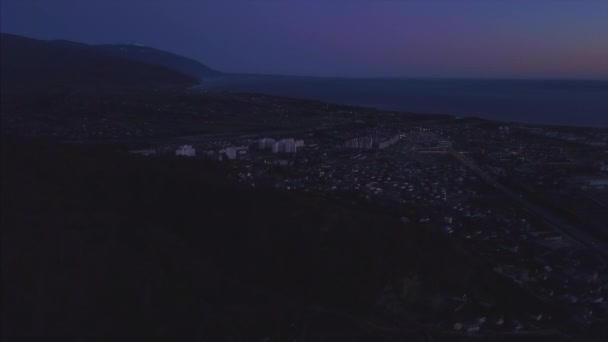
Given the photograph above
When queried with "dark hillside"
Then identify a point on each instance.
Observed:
(26, 63)
(184, 65)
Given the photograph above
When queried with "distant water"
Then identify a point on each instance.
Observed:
(577, 103)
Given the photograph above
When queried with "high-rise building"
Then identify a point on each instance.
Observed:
(288, 146)
(352, 143)
(366, 143)
(276, 147)
(230, 153)
(284, 146)
(265, 143)
(233, 152)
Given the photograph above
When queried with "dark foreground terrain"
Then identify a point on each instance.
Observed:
(100, 245)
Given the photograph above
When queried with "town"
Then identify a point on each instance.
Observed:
(502, 191)
(528, 201)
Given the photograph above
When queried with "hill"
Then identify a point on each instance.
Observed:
(186, 66)
(26, 62)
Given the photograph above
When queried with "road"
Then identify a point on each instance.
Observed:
(558, 223)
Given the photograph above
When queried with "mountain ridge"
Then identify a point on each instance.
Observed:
(28, 61)
(185, 65)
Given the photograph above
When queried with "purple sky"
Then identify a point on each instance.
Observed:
(354, 38)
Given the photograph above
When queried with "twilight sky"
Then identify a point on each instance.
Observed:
(353, 38)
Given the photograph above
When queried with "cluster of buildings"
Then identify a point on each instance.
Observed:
(227, 150)
(434, 190)
(289, 145)
(185, 151)
(233, 152)
(415, 174)
(367, 143)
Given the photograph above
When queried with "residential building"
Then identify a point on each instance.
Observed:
(185, 151)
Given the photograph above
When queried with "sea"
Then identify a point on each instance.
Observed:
(547, 102)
